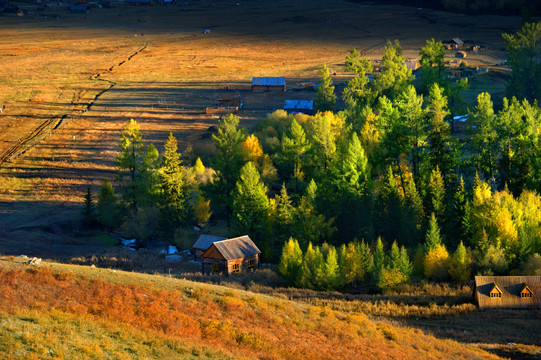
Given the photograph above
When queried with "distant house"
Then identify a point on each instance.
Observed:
(459, 44)
(508, 291)
(299, 106)
(454, 44)
(231, 256)
(203, 243)
(412, 64)
(261, 84)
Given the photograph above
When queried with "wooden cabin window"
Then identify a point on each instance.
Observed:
(251, 264)
(236, 268)
(215, 268)
(495, 294)
(526, 294)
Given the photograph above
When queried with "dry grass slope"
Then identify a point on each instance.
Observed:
(59, 311)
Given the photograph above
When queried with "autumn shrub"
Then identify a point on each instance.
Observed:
(117, 258)
(389, 333)
(492, 262)
(144, 226)
(391, 278)
(435, 264)
(253, 340)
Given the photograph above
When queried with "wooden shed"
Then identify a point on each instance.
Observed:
(231, 256)
(261, 84)
(203, 243)
(508, 291)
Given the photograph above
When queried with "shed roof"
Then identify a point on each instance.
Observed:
(299, 105)
(458, 41)
(235, 248)
(269, 81)
(204, 241)
(510, 287)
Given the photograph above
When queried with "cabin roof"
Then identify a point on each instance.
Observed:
(235, 248)
(458, 41)
(204, 241)
(269, 81)
(510, 288)
(494, 286)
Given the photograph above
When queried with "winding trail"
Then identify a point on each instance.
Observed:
(49, 126)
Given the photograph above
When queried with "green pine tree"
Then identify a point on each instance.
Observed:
(227, 163)
(174, 190)
(394, 257)
(379, 259)
(88, 208)
(405, 266)
(130, 162)
(394, 76)
(325, 97)
(291, 260)
(366, 260)
(108, 208)
(436, 194)
(484, 140)
(441, 142)
(460, 264)
(250, 203)
(433, 237)
(331, 269)
(294, 147)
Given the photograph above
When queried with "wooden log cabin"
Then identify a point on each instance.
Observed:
(231, 256)
(203, 243)
(508, 291)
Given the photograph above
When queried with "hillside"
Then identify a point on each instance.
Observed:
(66, 311)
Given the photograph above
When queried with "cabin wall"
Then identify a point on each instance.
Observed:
(226, 267)
(207, 266)
(198, 253)
(259, 88)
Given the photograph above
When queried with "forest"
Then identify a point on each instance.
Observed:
(376, 192)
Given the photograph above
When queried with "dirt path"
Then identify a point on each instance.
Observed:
(49, 126)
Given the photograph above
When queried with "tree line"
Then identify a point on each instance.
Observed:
(386, 169)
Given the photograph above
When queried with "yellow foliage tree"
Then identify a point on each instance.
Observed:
(507, 231)
(481, 193)
(390, 278)
(370, 136)
(202, 209)
(198, 167)
(251, 148)
(435, 266)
